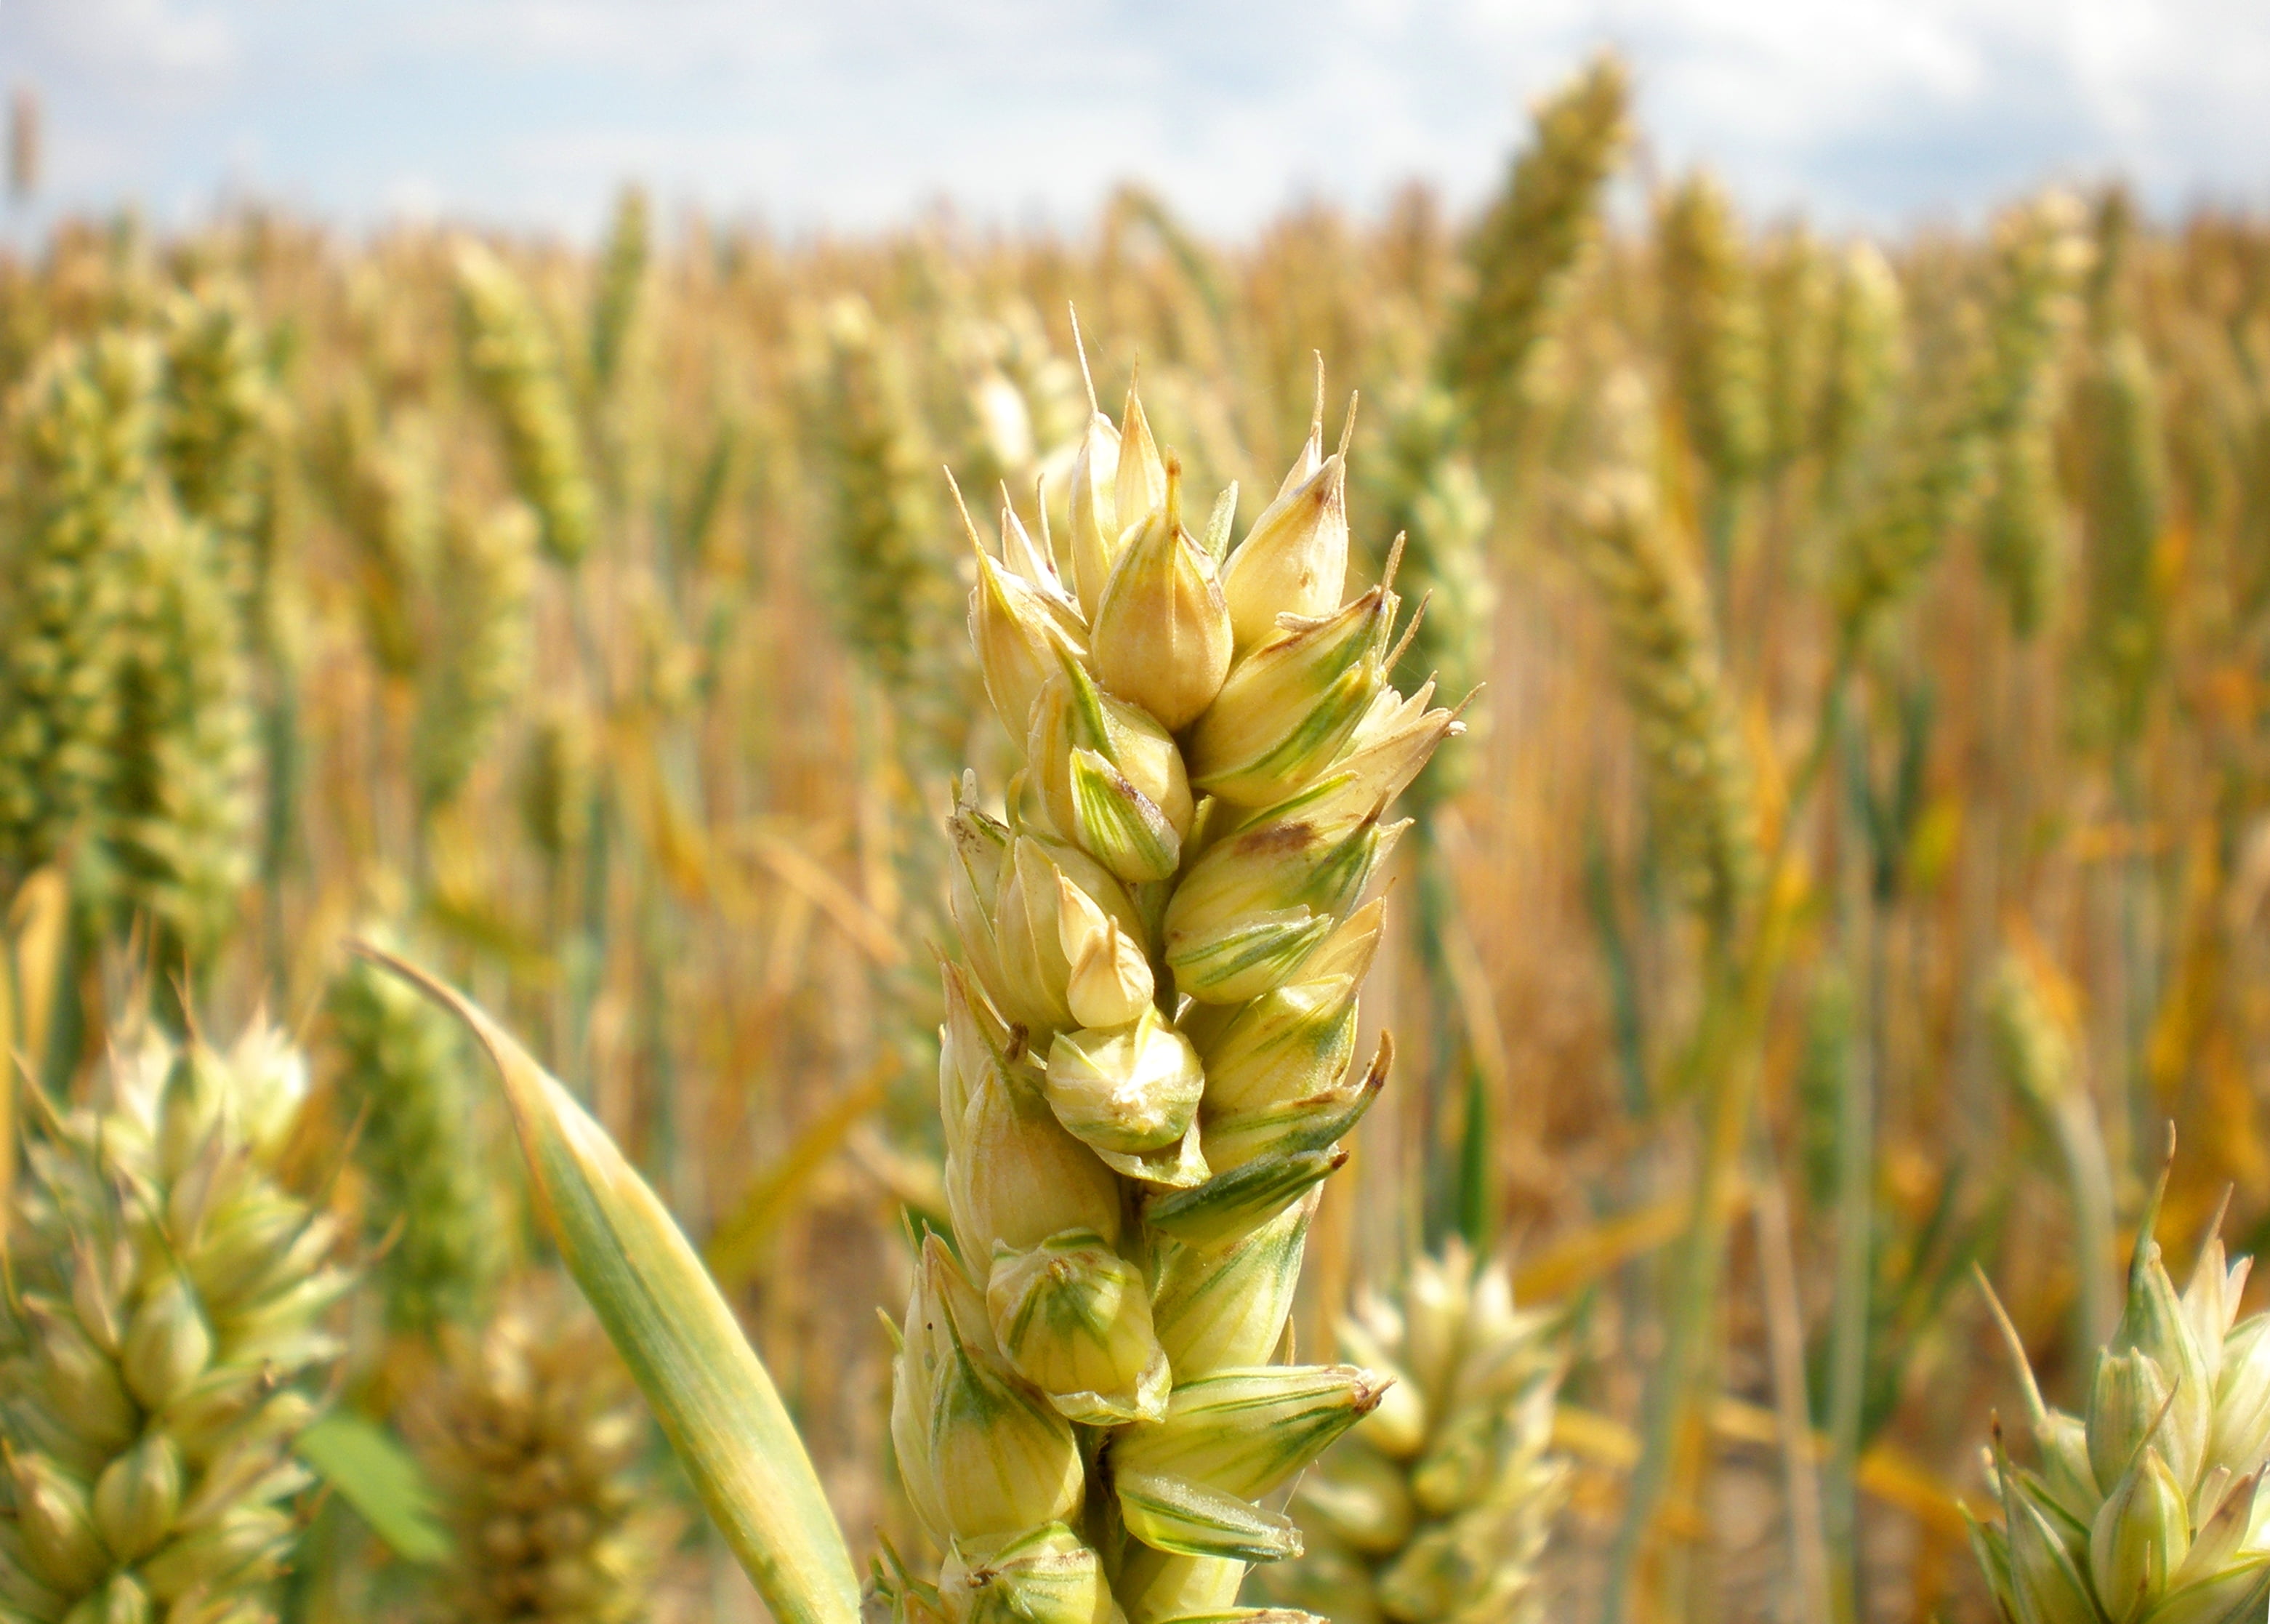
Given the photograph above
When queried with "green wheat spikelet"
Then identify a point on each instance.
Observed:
(1149, 1056)
(1534, 236)
(2122, 457)
(1524, 257)
(623, 280)
(2040, 255)
(1712, 338)
(1918, 482)
(1435, 1509)
(1667, 656)
(181, 798)
(84, 427)
(1860, 370)
(516, 361)
(2031, 1020)
(477, 663)
(532, 1438)
(1796, 288)
(891, 582)
(383, 481)
(164, 1338)
(217, 405)
(405, 1077)
(2144, 1506)
(1428, 491)
(558, 773)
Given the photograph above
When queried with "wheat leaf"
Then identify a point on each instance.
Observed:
(675, 1331)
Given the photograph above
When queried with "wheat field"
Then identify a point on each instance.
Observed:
(1856, 856)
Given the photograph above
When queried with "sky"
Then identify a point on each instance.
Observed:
(847, 115)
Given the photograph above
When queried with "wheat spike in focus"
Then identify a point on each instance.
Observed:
(2147, 1505)
(1149, 1052)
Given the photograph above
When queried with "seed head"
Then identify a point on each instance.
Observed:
(1110, 776)
(405, 1075)
(169, 1303)
(516, 361)
(1253, 908)
(1108, 980)
(1130, 1285)
(1291, 706)
(1129, 1088)
(1052, 904)
(1021, 633)
(1094, 510)
(1016, 1177)
(1229, 1438)
(1668, 657)
(1220, 1308)
(1005, 1460)
(1437, 1504)
(1073, 1318)
(1293, 561)
(1162, 633)
(1043, 1575)
(533, 1440)
(2142, 1505)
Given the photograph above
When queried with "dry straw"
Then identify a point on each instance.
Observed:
(711, 990)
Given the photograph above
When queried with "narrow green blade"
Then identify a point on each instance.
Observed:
(675, 1331)
(367, 1467)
